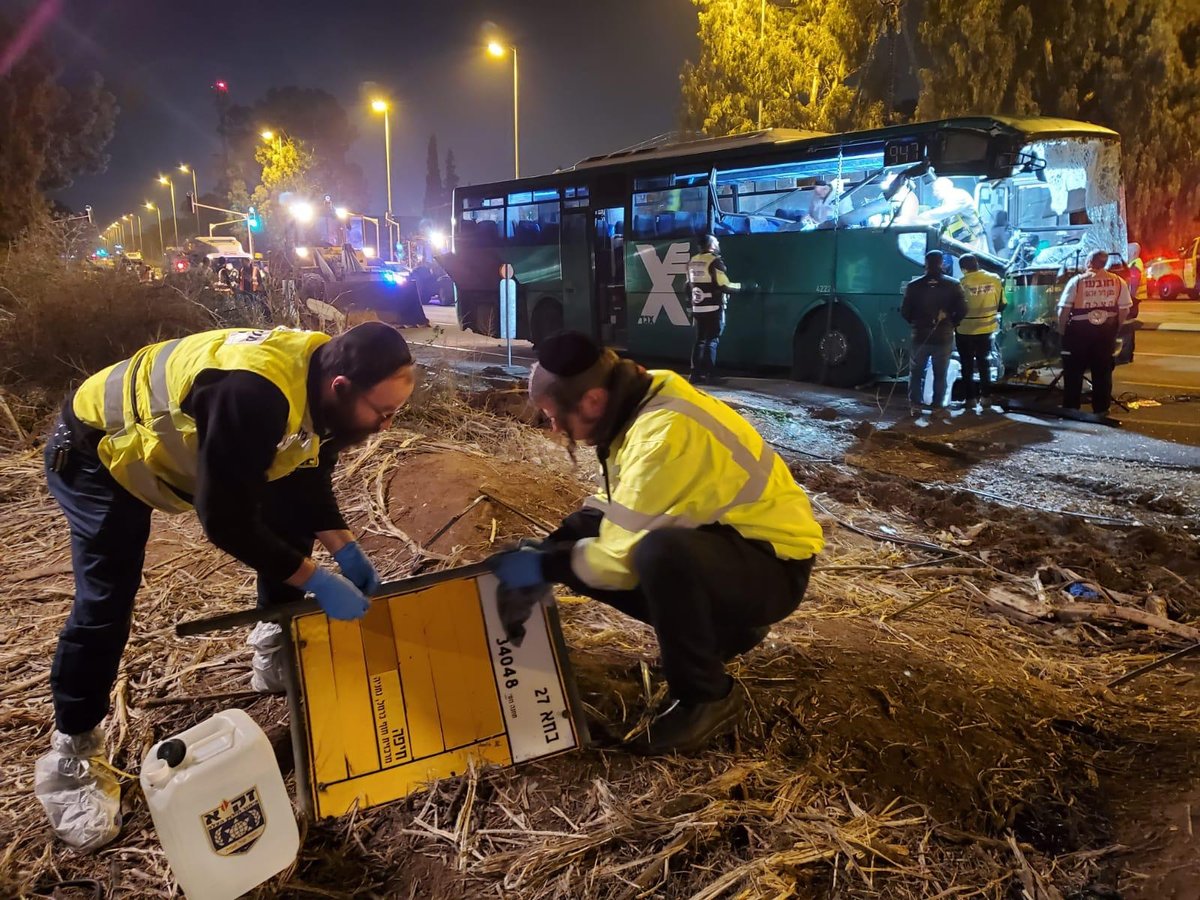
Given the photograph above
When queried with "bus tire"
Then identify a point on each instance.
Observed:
(547, 318)
(1170, 287)
(843, 355)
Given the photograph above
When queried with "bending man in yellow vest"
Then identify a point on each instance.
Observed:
(985, 299)
(243, 426)
(701, 531)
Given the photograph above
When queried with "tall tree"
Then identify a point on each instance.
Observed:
(451, 179)
(1128, 64)
(51, 133)
(435, 189)
(308, 115)
(791, 57)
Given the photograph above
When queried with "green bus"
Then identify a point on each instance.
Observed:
(829, 227)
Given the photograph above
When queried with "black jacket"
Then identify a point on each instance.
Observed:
(933, 305)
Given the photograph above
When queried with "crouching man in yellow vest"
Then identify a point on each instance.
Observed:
(701, 530)
(243, 426)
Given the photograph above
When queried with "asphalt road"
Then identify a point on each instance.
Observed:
(1166, 366)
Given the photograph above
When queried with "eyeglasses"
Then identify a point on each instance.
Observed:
(383, 414)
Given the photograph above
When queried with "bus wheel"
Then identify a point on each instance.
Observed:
(842, 357)
(547, 319)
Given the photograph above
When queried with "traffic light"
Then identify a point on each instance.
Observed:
(88, 210)
(252, 220)
(191, 203)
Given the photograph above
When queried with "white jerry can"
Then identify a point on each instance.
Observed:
(220, 807)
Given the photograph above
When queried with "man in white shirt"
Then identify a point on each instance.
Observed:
(1093, 308)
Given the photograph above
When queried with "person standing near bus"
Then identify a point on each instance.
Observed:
(709, 285)
(1093, 308)
(933, 305)
(985, 299)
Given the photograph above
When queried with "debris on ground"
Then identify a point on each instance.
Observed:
(939, 718)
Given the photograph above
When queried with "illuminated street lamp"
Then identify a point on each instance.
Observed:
(268, 135)
(163, 179)
(302, 211)
(162, 246)
(496, 49)
(382, 106)
(191, 170)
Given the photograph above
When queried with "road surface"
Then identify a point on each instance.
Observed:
(1165, 370)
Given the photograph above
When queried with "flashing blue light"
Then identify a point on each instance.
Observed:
(101, 252)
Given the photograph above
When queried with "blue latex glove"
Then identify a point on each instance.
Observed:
(518, 568)
(338, 597)
(355, 566)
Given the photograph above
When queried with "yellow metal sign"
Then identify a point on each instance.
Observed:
(422, 685)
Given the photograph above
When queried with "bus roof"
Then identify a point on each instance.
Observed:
(671, 150)
(740, 149)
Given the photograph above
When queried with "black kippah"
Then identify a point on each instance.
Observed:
(567, 353)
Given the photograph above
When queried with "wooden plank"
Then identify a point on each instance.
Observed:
(408, 615)
(324, 722)
(353, 697)
(461, 662)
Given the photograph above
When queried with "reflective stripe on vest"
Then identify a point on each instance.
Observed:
(151, 447)
(699, 275)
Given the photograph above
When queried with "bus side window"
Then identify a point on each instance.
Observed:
(672, 213)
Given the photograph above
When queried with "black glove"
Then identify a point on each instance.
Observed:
(516, 605)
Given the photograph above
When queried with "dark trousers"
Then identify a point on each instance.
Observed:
(974, 354)
(709, 326)
(109, 531)
(703, 590)
(1088, 347)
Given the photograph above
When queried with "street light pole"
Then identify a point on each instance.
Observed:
(384, 107)
(162, 246)
(516, 119)
(496, 49)
(185, 168)
(163, 179)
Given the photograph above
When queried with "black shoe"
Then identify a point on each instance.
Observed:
(687, 727)
(715, 379)
(743, 642)
(696, 378)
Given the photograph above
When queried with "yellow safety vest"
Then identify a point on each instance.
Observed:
(1142, 290)
(985, 297)
(688, 460)
(151, 446)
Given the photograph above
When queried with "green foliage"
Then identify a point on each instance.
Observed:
(1132, 65)
(49, 134)
(1128, 64)
(63, 318)
(794, 57)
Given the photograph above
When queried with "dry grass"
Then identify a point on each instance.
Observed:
(891, 748)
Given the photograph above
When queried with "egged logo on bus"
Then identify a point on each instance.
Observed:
(663, 296)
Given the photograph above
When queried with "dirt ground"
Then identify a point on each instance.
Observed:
(910, 732)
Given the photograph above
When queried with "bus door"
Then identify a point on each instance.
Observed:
(609, 231)
(579, 306)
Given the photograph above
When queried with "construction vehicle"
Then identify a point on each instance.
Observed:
(336, 289)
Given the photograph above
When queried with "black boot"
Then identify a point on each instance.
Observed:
(696, 378)
(687, 727)
(740, 642)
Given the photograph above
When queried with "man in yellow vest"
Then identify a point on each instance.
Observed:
(244, 426)
(701, 531)
(973, 337)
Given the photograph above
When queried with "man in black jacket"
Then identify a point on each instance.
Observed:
(244, 426)
(933, 304)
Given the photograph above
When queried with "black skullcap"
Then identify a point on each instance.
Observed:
(567, 353)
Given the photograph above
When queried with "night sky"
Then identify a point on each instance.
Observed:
(595, 76)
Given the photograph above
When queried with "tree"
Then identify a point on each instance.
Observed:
(308, 115)
(51, 134)
(832, 65)
(794, 57)
(451, 180)
(435, 190)
(1128, 64)
(288, 172)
